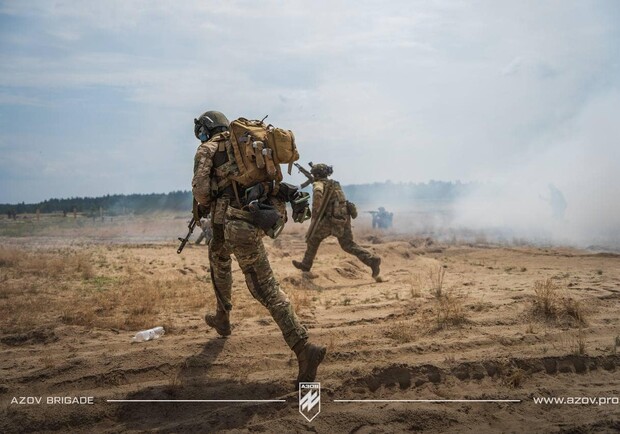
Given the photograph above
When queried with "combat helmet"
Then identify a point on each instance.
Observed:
(321, 170)
(210, 123)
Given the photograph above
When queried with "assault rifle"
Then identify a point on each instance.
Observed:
(308, 175)
(190, 226)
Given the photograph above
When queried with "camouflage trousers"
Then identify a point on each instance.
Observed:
(244, 240)
(345, 239)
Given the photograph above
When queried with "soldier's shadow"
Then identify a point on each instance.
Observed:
(194, 381)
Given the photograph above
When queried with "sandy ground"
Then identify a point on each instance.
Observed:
(72, 297)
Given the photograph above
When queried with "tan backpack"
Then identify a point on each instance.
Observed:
(259, 149)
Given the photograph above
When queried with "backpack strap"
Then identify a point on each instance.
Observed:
(236, 190)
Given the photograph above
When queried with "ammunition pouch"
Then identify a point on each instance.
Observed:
(267, 218)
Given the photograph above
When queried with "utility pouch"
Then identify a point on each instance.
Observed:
(258, 147)
(219, 214)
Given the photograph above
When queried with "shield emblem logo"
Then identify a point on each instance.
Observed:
(309, 400)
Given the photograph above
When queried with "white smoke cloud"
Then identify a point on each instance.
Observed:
(582, 161)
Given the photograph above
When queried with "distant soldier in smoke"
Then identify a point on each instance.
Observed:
(207, 233)
(381, 219)
(241, 214)
(556, 201)
(331, 215)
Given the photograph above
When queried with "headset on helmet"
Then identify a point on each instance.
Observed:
(210, 123)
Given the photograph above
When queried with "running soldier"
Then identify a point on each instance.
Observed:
(240, 216)
(331, 215)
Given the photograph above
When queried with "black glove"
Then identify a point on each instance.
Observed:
(301, 207)
(199, 211)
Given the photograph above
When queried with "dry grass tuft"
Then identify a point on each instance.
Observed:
(436, 277)
(579, 344)
(573, 309)
(400, 331)
(449, 310)
(514, 378)
(553, 305)
(545, 298)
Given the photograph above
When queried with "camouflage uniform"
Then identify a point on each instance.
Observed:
(336, 221)
(234, 233)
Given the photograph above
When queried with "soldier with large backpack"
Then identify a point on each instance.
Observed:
(238, 180)
(331, 215)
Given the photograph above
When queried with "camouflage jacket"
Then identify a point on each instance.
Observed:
(214, 165)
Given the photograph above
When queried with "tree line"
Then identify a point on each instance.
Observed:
(113, 204)
(181, 200)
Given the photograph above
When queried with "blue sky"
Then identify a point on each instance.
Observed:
(99, 97)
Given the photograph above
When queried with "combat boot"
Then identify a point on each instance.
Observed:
(375, 264)
(301, 265)
(309, 357)
(220, 322)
